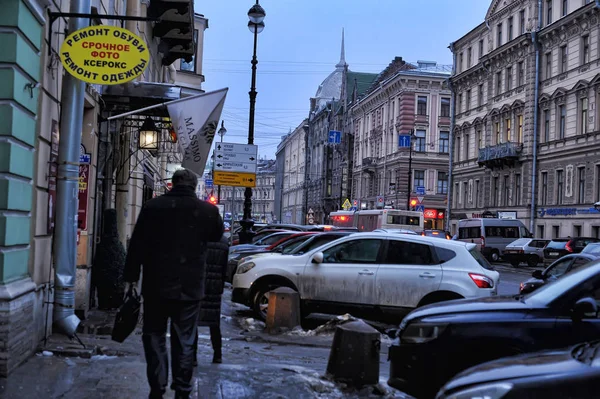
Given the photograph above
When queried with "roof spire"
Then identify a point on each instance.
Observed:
(342, 62)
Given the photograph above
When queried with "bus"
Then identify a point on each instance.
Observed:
(342, 218)
(388, 219)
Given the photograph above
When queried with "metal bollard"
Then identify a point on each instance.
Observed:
(284, 310)
(354, 356)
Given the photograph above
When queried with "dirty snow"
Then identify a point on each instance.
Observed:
(250, 324)
(325, 329)
(103, 357)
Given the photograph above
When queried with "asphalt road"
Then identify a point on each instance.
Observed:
(511, 278)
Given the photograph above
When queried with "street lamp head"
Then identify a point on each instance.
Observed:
(256, 14)
(222, 130)
(597, 205)
(148, 135)
(256, 27)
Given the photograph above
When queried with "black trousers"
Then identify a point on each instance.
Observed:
(215, 339)
(183, 316)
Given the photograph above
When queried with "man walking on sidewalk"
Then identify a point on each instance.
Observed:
(169, 240)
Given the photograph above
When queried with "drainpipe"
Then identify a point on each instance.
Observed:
(451, 141)
(536, 112)
(65, 235)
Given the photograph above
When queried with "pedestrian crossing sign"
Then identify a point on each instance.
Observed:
(346, 205)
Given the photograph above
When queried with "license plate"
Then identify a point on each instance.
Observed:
(553, 253)
(509, 251)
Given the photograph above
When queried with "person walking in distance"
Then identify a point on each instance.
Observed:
(169, 241)
(210, 305)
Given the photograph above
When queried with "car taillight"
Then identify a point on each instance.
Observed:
(482, 242)
(568, 247)
(423, 234)
(481, 281)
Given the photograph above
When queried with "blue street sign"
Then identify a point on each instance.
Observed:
(353, 208)
(335, 137)
(85, 158)
(420, 208)
(404, 141)
(420, 190)
(208, 183)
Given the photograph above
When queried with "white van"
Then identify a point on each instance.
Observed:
(491, 235)
(388, 219)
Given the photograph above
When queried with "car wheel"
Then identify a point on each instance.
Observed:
(533, 261)
(495, 256)
(515, 263)
(439, 297)
(260, 303)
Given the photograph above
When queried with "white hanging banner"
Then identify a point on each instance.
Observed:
(196, 121)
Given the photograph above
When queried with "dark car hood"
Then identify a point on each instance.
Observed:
(467, 306)
(544, 363)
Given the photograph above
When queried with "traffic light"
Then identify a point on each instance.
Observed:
(213, 200)
(413, 203)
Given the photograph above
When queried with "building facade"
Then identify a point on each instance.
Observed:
(514, 157)
(404, 98)
(290, 175)
(112, 160)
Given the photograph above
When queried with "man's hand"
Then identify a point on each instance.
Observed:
(128, 286)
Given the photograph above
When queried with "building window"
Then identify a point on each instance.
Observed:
(548, 12)
(555, 231)
(563, 59)
(465, 194)
(562, 116)
(559, 187)
(420, 141)
(476, 198)
(495, 191)
(548, 70)
(479, 139)
(517, 196)
(456, 194)
(480, 96)
(597, 183)
(190, 66)
(457, 148)
(459, 104)
(469, 57)
(520, 73)
(498, 137)
(460, 62)
(442, 183)
(499, 35)
(546, 125)
(506, 194)
(585, 49)
(565, 7)
(466, 144)
(519, 128)
(522, 22)
(422, 105)
(544, 190)
(509, 78)
(581, 186)
(583, 114)
(596, 231)
(445, 111)
(507, 127)
(419, 179)
(468, 104)
(510, 29)
(481, 48)
(540, 231)
(444, 142)
(498, 83)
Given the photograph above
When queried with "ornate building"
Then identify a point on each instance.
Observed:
(404, 97)
(535, 163)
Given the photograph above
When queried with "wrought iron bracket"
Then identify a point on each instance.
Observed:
(55, 15)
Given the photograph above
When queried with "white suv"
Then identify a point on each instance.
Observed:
(393, 273)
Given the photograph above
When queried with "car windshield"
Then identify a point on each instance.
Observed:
(546, 294)
(592, 249)
(480, 259)
(314, 243)
(290, 244)
(557, 244)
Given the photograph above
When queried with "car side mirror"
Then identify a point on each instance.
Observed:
(537, 274)
(317, 258)
(585, 307)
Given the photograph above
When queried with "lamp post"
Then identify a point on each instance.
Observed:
(412, 135)
(256, 14)
(221, 132)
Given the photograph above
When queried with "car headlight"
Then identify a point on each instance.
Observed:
(490, 391)
(418, 333)
(244, 267)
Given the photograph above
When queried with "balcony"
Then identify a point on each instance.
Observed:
(444, 121)
(422, 119)
(498, 156)
(369, 164)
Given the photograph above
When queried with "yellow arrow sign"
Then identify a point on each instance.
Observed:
(235, 179)
(346, 204)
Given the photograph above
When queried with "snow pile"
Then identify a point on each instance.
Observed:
(322, 387)
(325, 329)
(103, 357)
(250, 324)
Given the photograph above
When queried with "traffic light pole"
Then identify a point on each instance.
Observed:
(409, 171)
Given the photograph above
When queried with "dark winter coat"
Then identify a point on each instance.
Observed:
(170, 239)
(216, 268)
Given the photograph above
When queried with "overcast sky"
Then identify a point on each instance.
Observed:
(301, 45)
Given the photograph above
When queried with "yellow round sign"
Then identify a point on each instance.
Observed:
(105, 55)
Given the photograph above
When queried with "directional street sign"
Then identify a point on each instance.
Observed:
(420, 208)
(404, 141)
(420, 190)
(335, 137)
(420, 199)
(245, 167)
(234, 179)
(346, 205)
(208, 183)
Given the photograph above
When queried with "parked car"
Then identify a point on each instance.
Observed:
(236, 228)
(436, 233)
(559, 247)
(592, 248)
(396, 231)
(555, 271)
(259, 235)
(269, 238)
(392, 273)
(436, 342)
(292, 227)
(566, 373)
(491, 235)
(528, 250)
